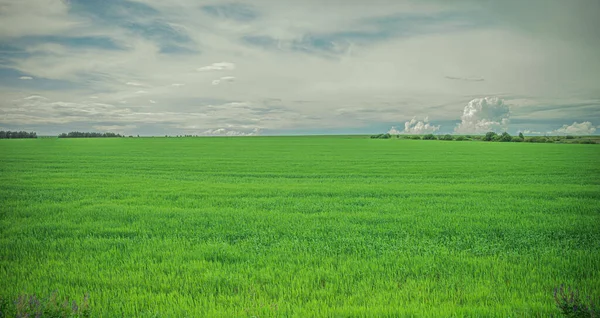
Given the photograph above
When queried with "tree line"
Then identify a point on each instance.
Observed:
(492, 136)
(78, 134)
(17, 134)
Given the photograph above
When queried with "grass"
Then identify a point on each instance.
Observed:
(299, 226)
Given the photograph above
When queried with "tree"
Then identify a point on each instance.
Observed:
(429, 137)
(521, 135)
(17, 134)
(505, 137)
(447, 137)
(489, 136)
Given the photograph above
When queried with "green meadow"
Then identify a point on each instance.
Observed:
(299, 226)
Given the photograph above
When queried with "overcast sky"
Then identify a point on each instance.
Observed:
(155, 67)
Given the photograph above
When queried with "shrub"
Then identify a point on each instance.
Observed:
(517, 139)
(460, 138)
(381, 136)
(569, 137)
(586, 141)
(416, 137)
(429, 137)
(447, 137)
(570, 303)
(536, 139)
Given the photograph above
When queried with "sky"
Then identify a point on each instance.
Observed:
(265, 67)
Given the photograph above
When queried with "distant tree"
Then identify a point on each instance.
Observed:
(17, 135)
(489, 136)
(569, 137)
(505, 137)
(78, 134)
(381, 136)
(536, 139)
(447, 137)
(429, 137)
(460, 138)
(521, 135)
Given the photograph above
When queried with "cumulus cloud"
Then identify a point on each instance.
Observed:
(394, 131)
(228, 132)
(484, 114)
(220, 66)
(227, 79)
(418, 127)
(584, 128)
(25, 78)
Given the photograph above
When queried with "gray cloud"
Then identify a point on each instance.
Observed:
(466, 79)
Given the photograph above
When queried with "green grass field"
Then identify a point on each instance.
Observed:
(299, 226)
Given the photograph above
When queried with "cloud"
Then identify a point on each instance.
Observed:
(530, 132)
(466, 79)
(484, 114)
(298, 51)
(227, 79)
(133, 84)
(25, 78)
(417, 127)
(584, 128)
(152, 101)
(228, 132)
(35, 97)
(394, 131)
(221, 66)
(115, 128)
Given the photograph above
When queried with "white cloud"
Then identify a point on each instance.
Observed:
(584, 128)
(25, 78)
(417, 127)
(530, 132)
(228, 132)
(133, 84)
(227, 79)
(177, 85)
(152, 101)
(394, 131)
(141, 92)
(35, 97)
(484, 114)
(220, 66)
